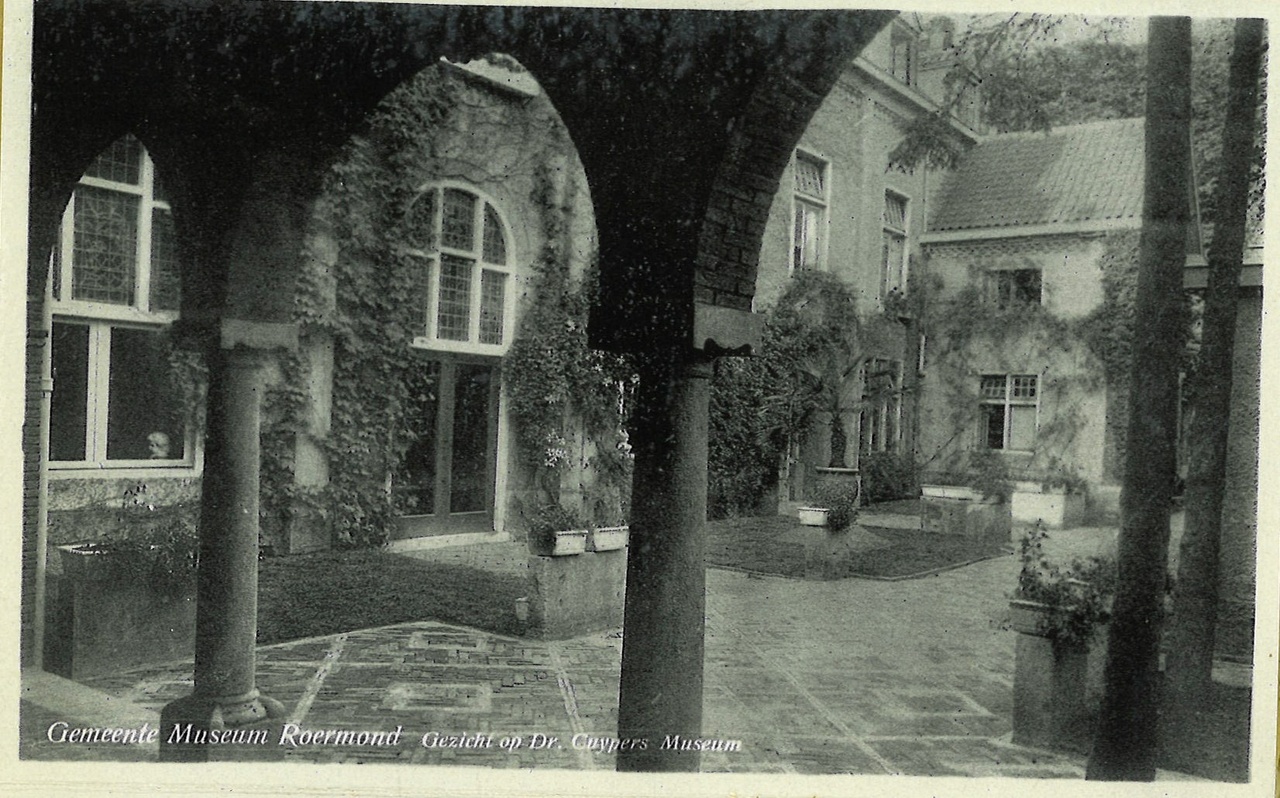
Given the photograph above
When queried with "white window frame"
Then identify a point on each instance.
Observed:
(902, 233)
(102, 318)
(1008, 402)
(432, 259)
(819, 205)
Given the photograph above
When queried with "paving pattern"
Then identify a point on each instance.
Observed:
(851, 676)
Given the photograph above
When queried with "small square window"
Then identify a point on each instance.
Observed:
(1009, 287)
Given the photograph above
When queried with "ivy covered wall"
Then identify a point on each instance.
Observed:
(1076, 341)
(339, 420)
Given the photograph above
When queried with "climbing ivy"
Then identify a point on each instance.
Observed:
(811, 349)
(1090, 352)
(554, 379)
(362, 291)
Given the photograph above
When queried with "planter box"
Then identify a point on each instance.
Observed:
(1057, 686)
(813, 516)
(964, 518)
(568, 542)
(1056, 509)
(102, 619)
(608, 538)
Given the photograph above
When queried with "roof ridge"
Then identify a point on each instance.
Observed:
(1058, 130)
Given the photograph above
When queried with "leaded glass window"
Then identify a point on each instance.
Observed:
(465, 292)
(116, 286)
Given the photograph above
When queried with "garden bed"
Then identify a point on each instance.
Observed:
(781, 546)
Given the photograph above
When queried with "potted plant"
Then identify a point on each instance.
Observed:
(835, 506)
(556, 531)
(126, 598)
(1059, 613)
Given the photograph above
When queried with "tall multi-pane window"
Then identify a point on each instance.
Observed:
(1008, 410)
(893, 262)
(811, 201)
(882, 405)
(465, 281)
(116, 399)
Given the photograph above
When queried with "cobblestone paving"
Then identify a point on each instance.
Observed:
(851, 676)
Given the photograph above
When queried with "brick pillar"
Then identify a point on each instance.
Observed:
(660, 693)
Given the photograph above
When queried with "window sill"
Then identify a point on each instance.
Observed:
(124, 472)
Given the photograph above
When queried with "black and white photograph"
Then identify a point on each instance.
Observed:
(418, 398)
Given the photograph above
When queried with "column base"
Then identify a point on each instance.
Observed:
(192, 727)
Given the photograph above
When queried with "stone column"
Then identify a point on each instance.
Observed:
(225, 694)
(660, 696)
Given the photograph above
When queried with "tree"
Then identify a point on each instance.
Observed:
(1196, 598)
(1126, 744)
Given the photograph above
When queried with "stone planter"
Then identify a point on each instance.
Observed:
(813, 516)
(569, 542)
(1057, 685)
(1056, 508)
(573, 596)
(978, 521)
(607, 538)
(102, 618)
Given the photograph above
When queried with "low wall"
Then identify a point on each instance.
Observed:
(577, 595)
(973, 520)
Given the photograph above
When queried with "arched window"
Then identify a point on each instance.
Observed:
(464, 245)
(115, 290)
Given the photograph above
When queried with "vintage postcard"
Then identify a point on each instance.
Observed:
(636, 398)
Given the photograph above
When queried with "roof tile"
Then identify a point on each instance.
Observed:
(1080, 173)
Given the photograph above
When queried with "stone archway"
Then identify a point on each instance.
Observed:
(684, 121)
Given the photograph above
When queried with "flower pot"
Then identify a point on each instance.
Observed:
(568, 542)
(813, 516)
(607, 538)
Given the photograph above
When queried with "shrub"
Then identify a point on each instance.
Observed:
(887, 476)
(1078, 596)
(162, 543)
(547, 519)
(841, 501)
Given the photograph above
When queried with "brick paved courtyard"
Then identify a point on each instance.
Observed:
(911, 677)
(853, 676)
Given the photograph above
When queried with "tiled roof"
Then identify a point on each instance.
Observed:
(1077, 174)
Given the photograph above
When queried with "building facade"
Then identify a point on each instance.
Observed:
(845, 209)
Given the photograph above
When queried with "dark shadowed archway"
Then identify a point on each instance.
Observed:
(684, 122)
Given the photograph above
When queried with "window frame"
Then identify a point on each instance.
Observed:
(430, 338)
(883, 414)
(902, 234)
(1007, 402)
(906, 41)
(102, 320)
(819, 205)
(998, 280)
